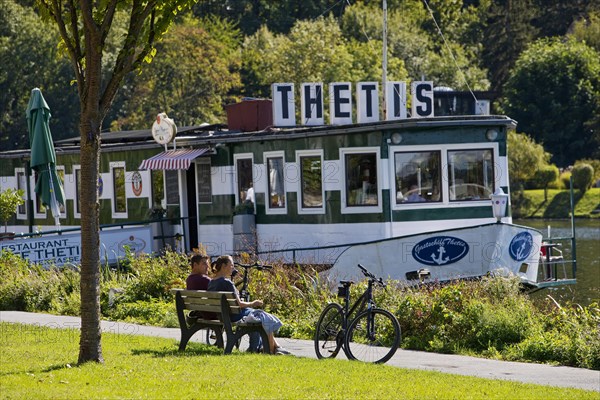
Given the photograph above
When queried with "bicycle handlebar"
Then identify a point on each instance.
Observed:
(255, 265)
(371, 276)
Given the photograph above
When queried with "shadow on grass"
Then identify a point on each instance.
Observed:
(192, 350)
(560, 205)
(51, 368)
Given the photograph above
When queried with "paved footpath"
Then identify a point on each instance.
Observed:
(462, 365)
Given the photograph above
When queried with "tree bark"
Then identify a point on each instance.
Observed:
(90, 348)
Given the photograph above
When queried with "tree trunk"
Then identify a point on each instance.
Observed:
(90, 348)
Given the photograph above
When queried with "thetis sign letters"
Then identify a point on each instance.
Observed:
(341, 102)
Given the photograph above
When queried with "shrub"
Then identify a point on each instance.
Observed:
(583, 174)
(565, 180)
(490, 317)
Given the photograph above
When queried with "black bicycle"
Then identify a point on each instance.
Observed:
(244, 292)
(365, 332)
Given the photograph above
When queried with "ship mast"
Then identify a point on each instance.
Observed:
(384, 62)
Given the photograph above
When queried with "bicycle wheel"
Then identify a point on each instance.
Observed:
(328, 337)
(373, 336)
(211, 337)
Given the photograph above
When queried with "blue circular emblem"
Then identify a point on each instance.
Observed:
(440, 250)
(520, 246)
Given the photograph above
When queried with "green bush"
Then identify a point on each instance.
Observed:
(490, 317)
(583, 175)
(565, 180)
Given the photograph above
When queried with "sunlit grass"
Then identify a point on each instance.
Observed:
(39, 362)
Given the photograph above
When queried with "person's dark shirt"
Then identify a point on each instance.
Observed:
(225, 285)
(222, 285)
(197, 282)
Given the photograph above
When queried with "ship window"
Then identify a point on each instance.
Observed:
(119, 195)
(470, 174)
(22, 185)
(418, 177)
(361, 180)
(245, 188)
(157, 187)
(77, 172)
(40, 209)
(276, 187)
(203, 178)
(172, 186)
(311, 182)
(60, 172)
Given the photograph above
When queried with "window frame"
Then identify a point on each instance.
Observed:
(18, 171)
(446, 203)
(268, 209)
(393, 187)
(77, 184)
(113, 199)
(493, 179)
(236, 181)
(63, 208)
(309, 210)
(204, 161)
(344, 209)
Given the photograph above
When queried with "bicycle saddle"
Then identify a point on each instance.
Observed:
(347, 283)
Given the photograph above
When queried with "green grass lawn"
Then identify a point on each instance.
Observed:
(40, 362)
(558, 204)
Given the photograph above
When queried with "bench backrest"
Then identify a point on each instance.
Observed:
(203, 300)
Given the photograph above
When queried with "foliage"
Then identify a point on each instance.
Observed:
(10, 199)
(587, 30)
(546, 176)
(26, 287)
(195, 75)
(595, 163)
(491, 317)
(507, 29)
(246, 207)
(414, 41)
(583, 175)
(525, 158)
(554, 93)
(28, 43)
(153, 367)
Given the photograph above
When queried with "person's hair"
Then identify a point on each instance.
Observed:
(198, 258)
(222, 260)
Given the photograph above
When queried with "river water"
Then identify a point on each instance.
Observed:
(587, 233)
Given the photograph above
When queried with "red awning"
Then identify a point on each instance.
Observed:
(172, 159)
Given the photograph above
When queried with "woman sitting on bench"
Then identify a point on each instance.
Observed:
(221, 283)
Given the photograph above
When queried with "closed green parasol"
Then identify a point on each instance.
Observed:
(43, 157)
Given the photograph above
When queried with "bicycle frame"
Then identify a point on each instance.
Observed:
(366, 299)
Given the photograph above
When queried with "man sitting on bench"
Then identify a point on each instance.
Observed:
(199, 280)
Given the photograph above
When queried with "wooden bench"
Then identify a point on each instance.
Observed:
(223, 305)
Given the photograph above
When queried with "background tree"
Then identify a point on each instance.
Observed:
(194, 76)
(545, 176)
(554, 93)
(84, 27)
(507, 31)
(29, 58)
(525, 158)
(414, 39)
(583, 175)
(277, 15)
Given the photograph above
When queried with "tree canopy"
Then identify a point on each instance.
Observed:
(554, 94)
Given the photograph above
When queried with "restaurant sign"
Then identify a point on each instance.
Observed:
(66, 248)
